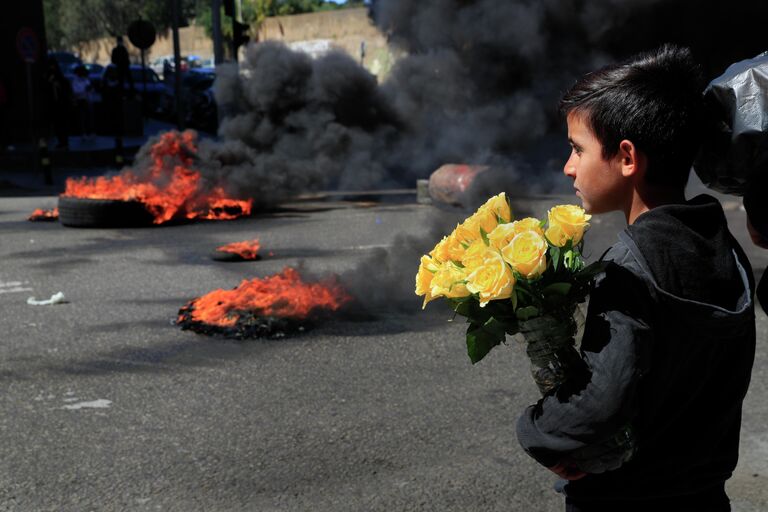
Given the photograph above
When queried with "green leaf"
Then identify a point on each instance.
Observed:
(555, 301)
(457, 264)
(527, 312)
(480, 341)
(543, 223)
(557, 289)
(495, 326)
(554, 252)
(485, 237)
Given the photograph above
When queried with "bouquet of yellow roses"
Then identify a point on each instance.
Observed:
(508, 277)
(522, 277)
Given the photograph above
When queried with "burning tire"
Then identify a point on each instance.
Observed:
(248, 326)
(271, 307)
(103, 213)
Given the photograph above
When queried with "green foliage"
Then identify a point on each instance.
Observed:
(70, 24)
(254, 12)
(488, 326)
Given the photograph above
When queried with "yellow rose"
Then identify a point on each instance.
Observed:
(498, 206)
(424, 276)
(440, 251)
(527, 253)
(473, 256)
(448, 281)
(449, 248)
(566, 222)
(485, 218)
(469, 230)
(504, 233)
(455, 249)
(493, 279)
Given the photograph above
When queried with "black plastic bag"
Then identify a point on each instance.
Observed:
(735, 149)
(734, 154)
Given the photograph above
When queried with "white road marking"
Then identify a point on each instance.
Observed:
(364, 247)
(14, 287)
(101, 403)
(15, 290)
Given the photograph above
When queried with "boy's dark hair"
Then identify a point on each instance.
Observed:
(653, 99)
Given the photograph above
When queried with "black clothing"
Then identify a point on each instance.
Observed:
(669, 344)
(757, 210)
(59, 102)
(122, 62)
(710, 500)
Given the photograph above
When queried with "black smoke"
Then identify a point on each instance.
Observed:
(479, 84)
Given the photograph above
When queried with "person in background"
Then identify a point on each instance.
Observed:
(59, 97)
(122, 62)
(82, 90)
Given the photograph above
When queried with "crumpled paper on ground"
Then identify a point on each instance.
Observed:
(56, 298)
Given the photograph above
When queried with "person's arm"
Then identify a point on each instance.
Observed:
(757, 208)
(595, 405)
(757, 238)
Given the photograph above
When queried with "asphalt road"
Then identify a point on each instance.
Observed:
(106, 405)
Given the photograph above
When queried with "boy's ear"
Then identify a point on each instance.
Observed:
(631, 161)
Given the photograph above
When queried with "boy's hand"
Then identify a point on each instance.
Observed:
(757, 238)
(567, 470)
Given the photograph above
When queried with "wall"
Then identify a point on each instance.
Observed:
(192, 40)
(344, 29)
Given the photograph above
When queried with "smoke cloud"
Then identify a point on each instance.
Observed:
(479, 84)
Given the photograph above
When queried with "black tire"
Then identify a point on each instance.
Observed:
(230, 256)
(81, 212)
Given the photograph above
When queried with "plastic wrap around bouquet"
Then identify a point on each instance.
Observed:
(523, 277)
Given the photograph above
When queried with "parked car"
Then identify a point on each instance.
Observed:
(199, 105)
(166, 62)
(146, 84)
(67, 62)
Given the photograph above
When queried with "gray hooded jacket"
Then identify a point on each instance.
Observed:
(668, 347)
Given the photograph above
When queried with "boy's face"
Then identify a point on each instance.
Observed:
(598, 182)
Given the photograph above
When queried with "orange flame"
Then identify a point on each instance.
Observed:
(170, 191)
(284, 295)
(44, 214)
(248, 249)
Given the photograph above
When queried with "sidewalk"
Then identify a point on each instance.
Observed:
(21, 175)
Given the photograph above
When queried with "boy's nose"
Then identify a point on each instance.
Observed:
(570, 168)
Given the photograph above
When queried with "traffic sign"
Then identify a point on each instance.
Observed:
(27, 45)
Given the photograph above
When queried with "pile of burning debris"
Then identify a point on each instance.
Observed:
(272, 307)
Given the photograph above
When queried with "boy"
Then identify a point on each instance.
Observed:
(669, 338)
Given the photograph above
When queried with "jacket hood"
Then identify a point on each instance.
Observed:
(689, 254)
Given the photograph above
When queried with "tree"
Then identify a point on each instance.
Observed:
(254, 12)
(70, 23)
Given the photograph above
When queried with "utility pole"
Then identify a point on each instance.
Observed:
(233, 8)
(218, 48)
(176, 12)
